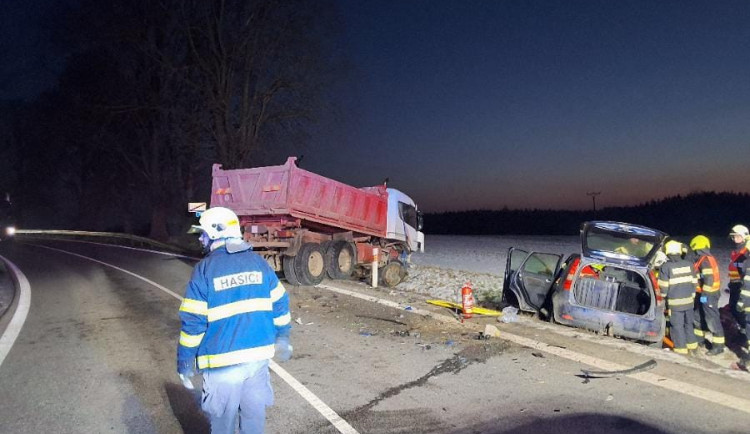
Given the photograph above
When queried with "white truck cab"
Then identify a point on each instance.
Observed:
(404, 220)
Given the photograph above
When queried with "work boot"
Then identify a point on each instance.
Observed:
(715, 350)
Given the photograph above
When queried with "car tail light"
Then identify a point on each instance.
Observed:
(568, 317)
(655, 284)
(571, 273)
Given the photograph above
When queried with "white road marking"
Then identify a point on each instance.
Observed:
(139, 249)
(691, 390)
(19, 316)
(337, 421)
(149, 281)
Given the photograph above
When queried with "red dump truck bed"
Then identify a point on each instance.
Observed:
(287, 190)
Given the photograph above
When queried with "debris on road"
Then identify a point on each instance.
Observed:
(538, 355)
(602, 374)
(509, 314)
(491, 331)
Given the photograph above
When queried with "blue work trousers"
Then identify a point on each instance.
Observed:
(242, 390)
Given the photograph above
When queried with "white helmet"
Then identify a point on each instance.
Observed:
(740, 230)
(219, 222)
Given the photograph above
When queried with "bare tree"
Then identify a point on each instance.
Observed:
(154, 91)
(261, 67)
(150, 113)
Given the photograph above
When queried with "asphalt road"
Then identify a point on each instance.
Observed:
(96, 354)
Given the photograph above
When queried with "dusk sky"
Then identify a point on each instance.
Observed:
(485, 104)
(524, 104)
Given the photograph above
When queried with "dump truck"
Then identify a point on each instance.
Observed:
(307, 226)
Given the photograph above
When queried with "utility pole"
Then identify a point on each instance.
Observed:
(593, 195)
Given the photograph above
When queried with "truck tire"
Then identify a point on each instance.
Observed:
(392, 274)
(310, 264)
(287, 263)
(341, 259)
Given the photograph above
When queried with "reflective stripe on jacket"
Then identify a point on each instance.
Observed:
(737, 263)
(708, 273)
(233, 310)
(677, 282)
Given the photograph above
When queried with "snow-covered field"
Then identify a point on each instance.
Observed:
(449, 261)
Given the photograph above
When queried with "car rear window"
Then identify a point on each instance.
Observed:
(631, 244)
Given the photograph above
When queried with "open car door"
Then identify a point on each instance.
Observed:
(529, 277)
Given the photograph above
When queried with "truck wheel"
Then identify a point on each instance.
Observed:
(287, 262)
(310, 264)
(392, 274)
(340, 258)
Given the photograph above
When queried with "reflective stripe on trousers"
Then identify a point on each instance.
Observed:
(681, 331)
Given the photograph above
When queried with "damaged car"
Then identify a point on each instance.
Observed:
(610, 287)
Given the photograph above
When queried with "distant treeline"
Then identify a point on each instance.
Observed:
(706, 212)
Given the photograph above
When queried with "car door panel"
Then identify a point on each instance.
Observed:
(534, 279)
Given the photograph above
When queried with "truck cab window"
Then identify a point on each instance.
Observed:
(408, 213)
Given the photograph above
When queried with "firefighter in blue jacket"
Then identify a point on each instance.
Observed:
(235, 318)
(677, 282)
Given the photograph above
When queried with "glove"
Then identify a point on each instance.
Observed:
(283, 348)
(186, 368)
(704, 299)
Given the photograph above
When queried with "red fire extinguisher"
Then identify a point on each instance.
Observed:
(467, 300)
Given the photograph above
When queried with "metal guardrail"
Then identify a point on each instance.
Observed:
(119, 238)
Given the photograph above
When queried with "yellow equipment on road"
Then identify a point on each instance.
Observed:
(475, 309)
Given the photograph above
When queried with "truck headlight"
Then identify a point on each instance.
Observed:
(10, 230)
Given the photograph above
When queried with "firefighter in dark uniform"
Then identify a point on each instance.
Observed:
(739, 281)
(706, 311)
(677, 282)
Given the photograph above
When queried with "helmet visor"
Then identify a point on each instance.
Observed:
(195, 229)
